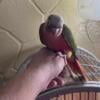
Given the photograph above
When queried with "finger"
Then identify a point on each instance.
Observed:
(52, 84)
(60, 81)
(63, 56)
(45, 52)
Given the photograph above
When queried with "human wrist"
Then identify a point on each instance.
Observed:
(41, 76)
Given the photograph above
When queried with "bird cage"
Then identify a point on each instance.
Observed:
(78, 90)
(75, 91)
(90, 63)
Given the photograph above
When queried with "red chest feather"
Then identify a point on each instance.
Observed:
(55, 43)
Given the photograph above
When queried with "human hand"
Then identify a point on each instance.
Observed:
(46, 66)
(35, 74)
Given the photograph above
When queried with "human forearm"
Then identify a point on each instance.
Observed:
(25, 86)
(34, 78)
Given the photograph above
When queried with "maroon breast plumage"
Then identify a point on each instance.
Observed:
(55, 43)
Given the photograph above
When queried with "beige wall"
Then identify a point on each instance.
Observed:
(19, 25)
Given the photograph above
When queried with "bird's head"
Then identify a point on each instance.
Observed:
(54, 24)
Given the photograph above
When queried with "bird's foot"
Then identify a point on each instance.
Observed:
(83, 78)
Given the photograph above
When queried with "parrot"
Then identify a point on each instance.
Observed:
(57, 36)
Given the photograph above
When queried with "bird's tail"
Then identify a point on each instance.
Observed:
(77, 68)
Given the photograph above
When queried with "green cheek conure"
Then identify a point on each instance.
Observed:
(58, 37)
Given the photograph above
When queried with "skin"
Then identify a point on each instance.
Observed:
(43, 68)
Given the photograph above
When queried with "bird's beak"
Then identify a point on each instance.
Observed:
(55, 31)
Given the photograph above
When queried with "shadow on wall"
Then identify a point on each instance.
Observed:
(7, 62)
(7, 72)
(0, 1)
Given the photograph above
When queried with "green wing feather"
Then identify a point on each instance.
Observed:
(68, 36)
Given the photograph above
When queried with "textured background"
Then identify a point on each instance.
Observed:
(19, 25)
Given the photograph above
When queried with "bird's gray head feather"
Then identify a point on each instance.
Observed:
(54, 21)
